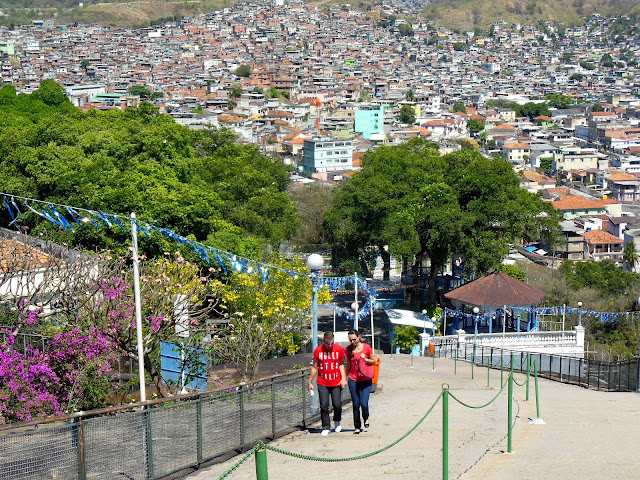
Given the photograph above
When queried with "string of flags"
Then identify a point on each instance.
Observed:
(342, 284)
(68, 217)
(603, 317)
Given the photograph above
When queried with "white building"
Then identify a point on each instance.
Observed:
(327, 154)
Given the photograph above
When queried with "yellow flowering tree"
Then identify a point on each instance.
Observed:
(264, 316)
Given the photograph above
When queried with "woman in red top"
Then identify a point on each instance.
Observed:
(359, 355)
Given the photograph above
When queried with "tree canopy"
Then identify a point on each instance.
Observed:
(419, 204)
(197, 183)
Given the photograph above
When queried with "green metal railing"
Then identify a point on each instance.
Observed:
(260, 448)
(608, 376)
(160, 437)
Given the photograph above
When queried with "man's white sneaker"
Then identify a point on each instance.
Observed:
(324, 433)
(338, 427)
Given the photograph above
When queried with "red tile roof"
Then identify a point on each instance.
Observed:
(600, 236)
(496, 289)
(577, 203)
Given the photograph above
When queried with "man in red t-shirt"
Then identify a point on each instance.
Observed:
(328, 364)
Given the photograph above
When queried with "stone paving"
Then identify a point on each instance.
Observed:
(587, 434)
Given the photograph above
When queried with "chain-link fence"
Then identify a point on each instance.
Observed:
(608, 376)
(162, 438)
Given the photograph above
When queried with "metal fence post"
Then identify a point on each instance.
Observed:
(473, 360)
(445, 432)
(240, 392)
(304, 402)
(273, 410)
(579, 372)
(82, 474)
(488, 373)
(149, 433)
(455, 364)
(526, 399)
(262, 473)
(501, 368)
(199, 429)
(535, 377)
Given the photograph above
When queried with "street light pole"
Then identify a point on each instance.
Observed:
(314, 262)
(424, 320)
(580, 314)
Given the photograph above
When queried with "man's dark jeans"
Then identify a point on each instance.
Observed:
(336, 399)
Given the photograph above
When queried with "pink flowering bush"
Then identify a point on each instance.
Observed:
(74, 373)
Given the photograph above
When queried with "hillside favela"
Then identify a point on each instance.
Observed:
(393, 238)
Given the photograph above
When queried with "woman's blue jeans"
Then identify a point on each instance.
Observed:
(360, 392)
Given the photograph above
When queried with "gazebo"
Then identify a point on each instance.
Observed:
(493, 292)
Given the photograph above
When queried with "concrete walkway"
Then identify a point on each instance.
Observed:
(587, 435)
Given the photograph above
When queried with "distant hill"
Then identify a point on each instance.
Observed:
(467, 14)
(118, 13)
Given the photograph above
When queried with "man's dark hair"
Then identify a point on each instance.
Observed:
(328, 336)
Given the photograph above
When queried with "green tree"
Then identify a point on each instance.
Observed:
(475, 126)
(243, 71)
(459, 46)
(559, 100)
(405, 30)
(407, 115)
(235, 91)
(587, 65)
(596, 107)
(140, 90)
(546, 164)
(459, 107)
(422, 205)
(630, 255)
(50, 93)
(577, 76)
(410, 96)
(513, 272)
(533, 110)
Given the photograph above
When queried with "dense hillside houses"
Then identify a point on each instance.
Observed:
(319, 86)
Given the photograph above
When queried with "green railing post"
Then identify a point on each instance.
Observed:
(262, 473)
(510, 412)
(535, 377)
(445, 432)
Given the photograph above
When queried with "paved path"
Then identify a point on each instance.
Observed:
(587, 435)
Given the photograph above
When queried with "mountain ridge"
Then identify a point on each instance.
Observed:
(470, 14)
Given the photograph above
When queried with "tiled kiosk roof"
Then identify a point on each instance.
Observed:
(496, 289)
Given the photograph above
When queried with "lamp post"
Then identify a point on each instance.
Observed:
(314, 262)
(424, 319)
(354, 307)
(579, 314)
